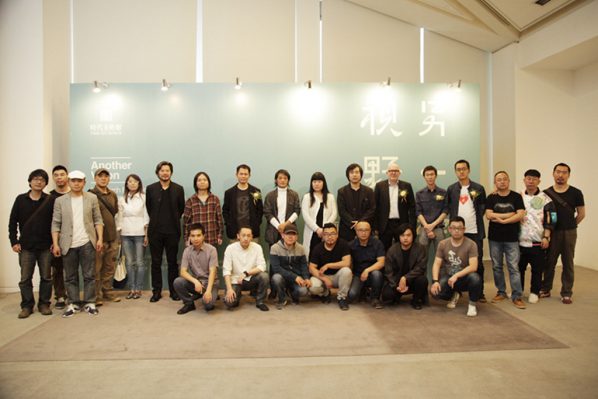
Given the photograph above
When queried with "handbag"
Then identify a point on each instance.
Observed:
(120, 272)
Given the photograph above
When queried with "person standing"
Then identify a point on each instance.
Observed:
(570, 210)
(29, 233)
(318, 208)
(467, 199)
(395, 205)
(77, 233)
(431, 208)
(243, 205)
(132, 221)
(106, 258)
(356, 202)
(165, 203)
(61, 183)
(281, 207)
(204, 207)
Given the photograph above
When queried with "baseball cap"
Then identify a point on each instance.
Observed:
(101, 170)
(290, 228)
(76, 174)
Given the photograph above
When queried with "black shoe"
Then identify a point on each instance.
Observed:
(416, 305)
(60, 304)
(186, 308)
(175, 297)
(326, 299)
(342, 303)
(263, 307)
(155, 297)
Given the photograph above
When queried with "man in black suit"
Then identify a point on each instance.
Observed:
(355, 203)
(242, 205)
(165, 203)
(395, 205)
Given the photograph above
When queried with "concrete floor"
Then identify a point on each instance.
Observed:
(554, 373)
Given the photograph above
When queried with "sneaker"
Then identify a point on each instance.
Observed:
(472, 310)
(111, 298)
(280, 305)
(186, 308)
(342, 303)
(91, 309)
(60, 303)
(483, 299)
(130, 295)
(533, 298)
(326, 298)
(452, 304)
(499, 298)
(70, 311)
(544, 294)
(567, 300)
(519, 303)
(263, 307)
(137, 295)
(377, 304)
(25, 312)
(45, 310)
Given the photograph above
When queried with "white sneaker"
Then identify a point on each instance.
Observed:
(533, 298)
(452, 304)
(472, 311)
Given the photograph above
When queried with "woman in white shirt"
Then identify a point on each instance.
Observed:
(132, 221)
(318, 207)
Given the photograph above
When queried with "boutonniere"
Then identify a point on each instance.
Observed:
(439, 197)
(403, 195)
(474, 194)
(256, 197)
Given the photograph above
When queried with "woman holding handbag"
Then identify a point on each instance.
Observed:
(132, 221)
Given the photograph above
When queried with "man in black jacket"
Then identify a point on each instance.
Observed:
(355, 203)
(242, 205)
(395, 205)
(405, 269)
(165, 203)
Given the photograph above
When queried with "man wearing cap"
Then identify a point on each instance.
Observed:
(106, 258)
(534, 234)
(289, 267)
(77, 233)
(60, 175)
(29, 233)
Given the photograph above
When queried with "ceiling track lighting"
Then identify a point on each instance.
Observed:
(238, 84)
(386, 82)
(98, 86)
(165, 85)
(308, 84)
(455, 85)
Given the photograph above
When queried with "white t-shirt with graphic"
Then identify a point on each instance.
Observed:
(467, 211)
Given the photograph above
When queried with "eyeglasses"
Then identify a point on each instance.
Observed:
(330, 234)
(393, 171)
(38, 179)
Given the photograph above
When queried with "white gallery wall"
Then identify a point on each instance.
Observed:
(258, 41)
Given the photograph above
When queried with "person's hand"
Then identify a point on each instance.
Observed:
(17, 248)
(207, 297)
(145, 241)
(452, 280)
(354, 223)
(544, 243)
(431, 235)
(281, 227)
(319, 232)
(323, 269)
(307, 283)
(327, 282)
(435, 288)
(99, 245)
(55, 251)
(198, 287)
(219, 241)
(364, 275)
(402, 288)
(230, 296)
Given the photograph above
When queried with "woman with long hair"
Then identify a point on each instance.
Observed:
(318, 207)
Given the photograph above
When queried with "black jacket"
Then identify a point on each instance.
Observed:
(348, 211)
(395, 268)
(406, 205)
(153, 196)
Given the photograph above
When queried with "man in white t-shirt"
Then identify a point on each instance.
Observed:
(77, 233)
(467, 199)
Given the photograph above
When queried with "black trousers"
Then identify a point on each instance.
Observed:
(158, 243)
(480, 243)
(536, 257)
(418, 287)
(391, 231)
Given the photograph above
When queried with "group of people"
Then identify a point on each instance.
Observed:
(375, 253)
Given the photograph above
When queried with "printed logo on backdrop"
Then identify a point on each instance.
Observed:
(119, 168)
(106, 124)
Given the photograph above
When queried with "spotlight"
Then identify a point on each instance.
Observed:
(165, 85)
(308, 84)
(455, 85)
(238, 84)
(98, 86)
(386, 82)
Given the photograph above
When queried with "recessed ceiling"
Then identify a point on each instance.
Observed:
(485, 24)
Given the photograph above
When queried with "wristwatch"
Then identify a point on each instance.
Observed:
(435, 281)
(245, 273)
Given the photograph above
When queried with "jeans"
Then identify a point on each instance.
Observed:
(374, 281)
(134, 251)
(105, 267)
(58, 277)
(158, 242)
(258, 283)
(186, 291)
(510, 250)
(480, 244)
(85, 256)
(341, 280)
(417, 286)
(563, 244)
(536, 257)
(27, 261)
(280, 285)
(472, 283)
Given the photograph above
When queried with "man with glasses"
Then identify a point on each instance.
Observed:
(395, 205)
(467, 199)
(330, 267)
(458, 256)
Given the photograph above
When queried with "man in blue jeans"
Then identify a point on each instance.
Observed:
(77, 233)
(29, 233)
(504, 210)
